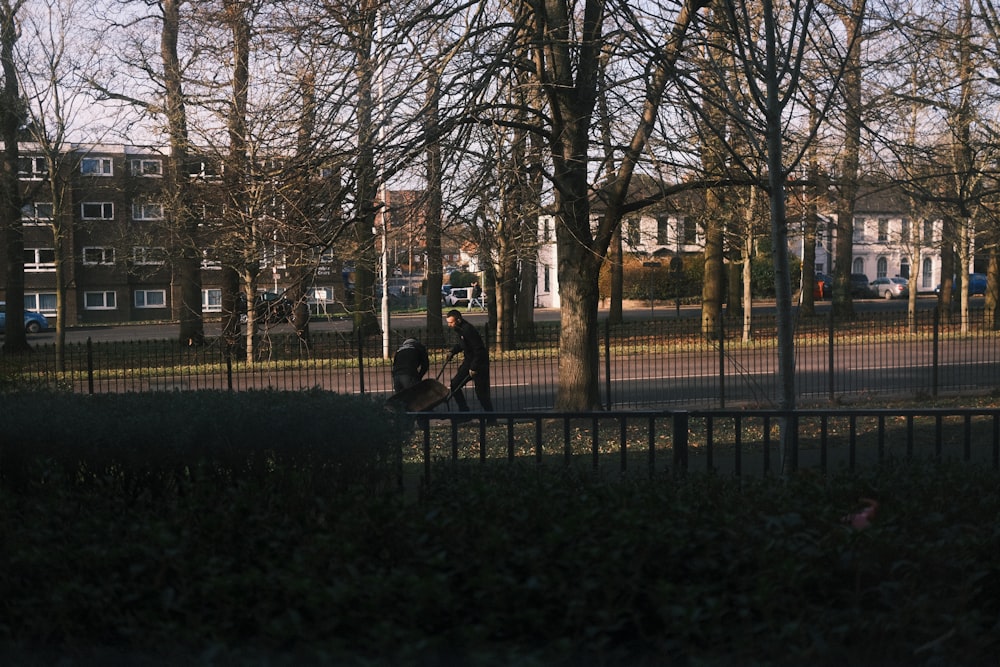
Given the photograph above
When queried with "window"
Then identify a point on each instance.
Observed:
(96, 166)
(32, 167)
(858, 266)
(926, 269)
(633, 237)
(883, 230)
(212, 214)
(206, 169)
(97, 210)
(209, 263)
(148, 256)
(42, 302)
(663, 230)
(36, 213)
(98, 256)
(928, 232)
(904, 230)
(139, 167)
(546, 228)
(859, 232)
(904, 268)
(546, 278)
(273, 257)
(39, 260)
(690, 231)
(211, 300)
(881, 267)
(99, 301)
(150, 298)
(147, 211)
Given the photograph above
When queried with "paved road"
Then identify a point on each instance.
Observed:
(634, 311)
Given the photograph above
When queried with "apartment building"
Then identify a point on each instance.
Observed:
(115, 235)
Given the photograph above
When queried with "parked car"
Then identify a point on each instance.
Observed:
(33, 322)
(268, 307)
(458, 296)
(977, 284)
(860, 286)
(890, 288)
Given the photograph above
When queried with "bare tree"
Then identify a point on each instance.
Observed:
(54, 98)
(566, 51)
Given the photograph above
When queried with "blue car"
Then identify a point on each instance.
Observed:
(977, 284)
(33, 322)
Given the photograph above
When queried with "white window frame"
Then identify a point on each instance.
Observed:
(107, 255)
(39, 168)
(30, 214)
(109, 300)
(209, 263)
(147, 211)
(146, 167)
(859, 231)
(38, 265)
(107, 210)
(146, 255)
(97, 166)
(211, 300)
(40, 302)
(141, 298)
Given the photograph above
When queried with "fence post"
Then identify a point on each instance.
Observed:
(722, 363)
(934, 358)
(607, 363)
(90, 366)
(829, 348)
(680, 438)
(361, 362)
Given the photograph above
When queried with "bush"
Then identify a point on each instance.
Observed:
(514, 564)
(158, 441)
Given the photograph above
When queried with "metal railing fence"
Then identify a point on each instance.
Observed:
(658, 444)
(643, 364)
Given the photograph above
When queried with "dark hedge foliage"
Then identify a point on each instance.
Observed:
(503, 565)
(160, 443)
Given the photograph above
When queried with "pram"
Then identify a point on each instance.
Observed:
(423, 396)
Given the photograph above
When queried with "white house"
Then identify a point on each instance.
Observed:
(883, 243)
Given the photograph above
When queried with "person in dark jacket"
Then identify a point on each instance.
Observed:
(409, 364)
(475, 364)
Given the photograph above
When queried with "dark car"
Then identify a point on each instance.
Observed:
(860, 286)
(268, 307)
(977, 284)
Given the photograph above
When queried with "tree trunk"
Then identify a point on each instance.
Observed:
(15, 339)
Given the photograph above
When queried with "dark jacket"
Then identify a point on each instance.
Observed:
(411, 359)
(470, 343)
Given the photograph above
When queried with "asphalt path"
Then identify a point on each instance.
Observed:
(634, 310)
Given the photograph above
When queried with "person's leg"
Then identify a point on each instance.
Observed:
(457, 382)
(482, 384)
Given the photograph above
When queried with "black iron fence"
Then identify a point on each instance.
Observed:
(657, 444)
(660, 363)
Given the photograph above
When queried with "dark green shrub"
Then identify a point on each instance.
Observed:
(159, 442)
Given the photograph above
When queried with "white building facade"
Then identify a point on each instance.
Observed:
(887, 243)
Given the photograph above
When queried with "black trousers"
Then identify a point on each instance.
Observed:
(481, 382)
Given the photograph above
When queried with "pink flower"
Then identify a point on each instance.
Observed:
(863, 519)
